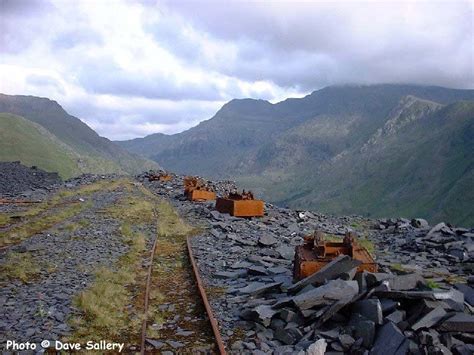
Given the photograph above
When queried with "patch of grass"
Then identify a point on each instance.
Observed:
(4, 219)
(169, 222)
(215, 291)
(432, 284)
(19, 266)
(397, 267)
(455, 279)
(367, 244)
(134, 210)
(24, 231)
(104, 304)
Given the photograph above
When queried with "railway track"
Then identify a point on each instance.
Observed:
(211, 321)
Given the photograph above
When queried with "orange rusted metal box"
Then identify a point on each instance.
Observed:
(240, 205)
(195, 189)
(163, 177)
(316, 252)
(201, 195)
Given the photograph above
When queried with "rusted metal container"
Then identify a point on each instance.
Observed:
(163, 177)
(240, 205)
(195, 189)
(201, 195)
(316, 252)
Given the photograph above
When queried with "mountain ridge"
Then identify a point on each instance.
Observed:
(280, 149)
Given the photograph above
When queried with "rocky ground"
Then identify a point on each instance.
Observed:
(19, 181)
(419, 302)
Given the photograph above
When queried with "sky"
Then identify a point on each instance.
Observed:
(133, 68)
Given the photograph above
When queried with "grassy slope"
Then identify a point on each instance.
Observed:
(99, 154)
(31, 144)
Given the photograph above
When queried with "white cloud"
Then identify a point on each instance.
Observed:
(135, 68)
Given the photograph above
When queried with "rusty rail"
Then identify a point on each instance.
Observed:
(147, 291)
(212, 319)
(16, 202)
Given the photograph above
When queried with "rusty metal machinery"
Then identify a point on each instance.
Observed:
(196, 189)
(240, 205)
(161, 176)
(316, 252)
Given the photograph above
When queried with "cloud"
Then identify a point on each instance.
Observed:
(131, 68)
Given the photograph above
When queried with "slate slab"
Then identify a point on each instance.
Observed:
(431, 319)
(327, 294)
(389, 339)
(336, 267)
(460, 322)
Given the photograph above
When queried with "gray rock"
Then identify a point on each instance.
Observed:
(396, 317)
(346, 341)
(332, 270)
(460, 322)
(406, 282)
(389, 339)
(230, 274)
(267, 240)
(363, 328)
(419, 223)
(155, 343)
(317, 348)
(257, 270)
(468, 292)
(370, 309)
(429, 320)
(286, 252)
(262, 314)
(288, 336)
(334, 290)
(259, 288)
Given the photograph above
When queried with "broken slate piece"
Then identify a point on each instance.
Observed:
(334, 290)
(262, 314)
(258, 288)
(267, 240)
(406, 282)
(332, 270)
(468, 292)
(286, 252)
(460, 322)
(429, 320)
(370, 309)
(389, 339)
(396, 316)
(230, 274)
(257, 270)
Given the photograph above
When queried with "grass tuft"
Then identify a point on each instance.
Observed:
(19, 266)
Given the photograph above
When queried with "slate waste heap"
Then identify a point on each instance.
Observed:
(419, 301)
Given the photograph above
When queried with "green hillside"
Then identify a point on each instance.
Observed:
(99, 155)
(31, 144)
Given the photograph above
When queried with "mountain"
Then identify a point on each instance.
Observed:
(378, 150)
(90, 152)
(31, 144)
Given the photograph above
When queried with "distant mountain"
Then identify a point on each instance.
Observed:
(77, 148)
(379, 150)
(31, 144)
